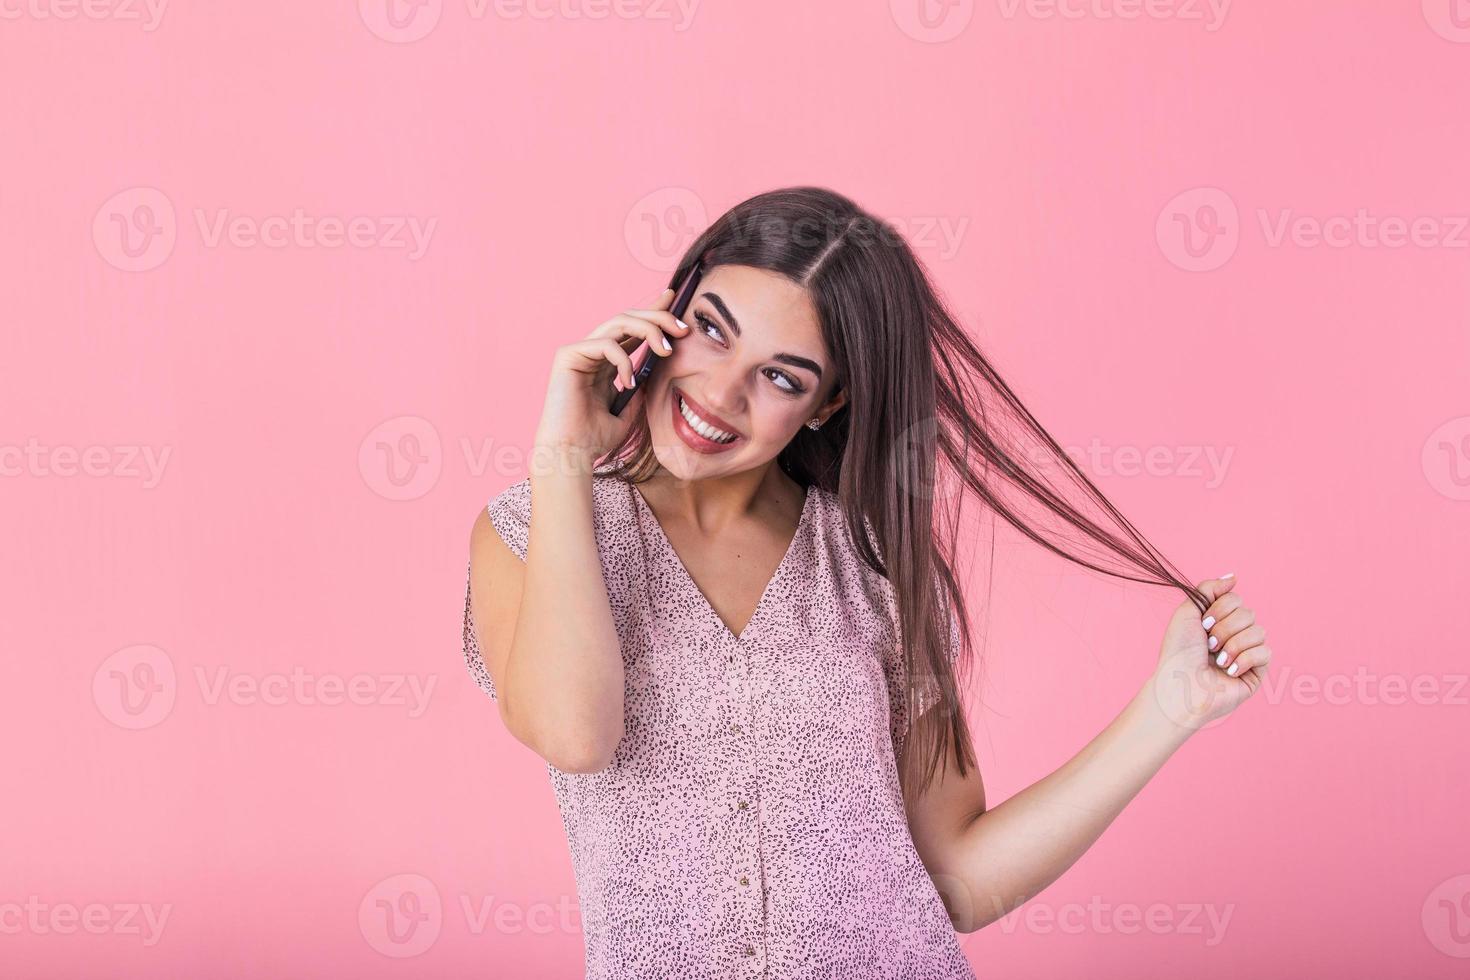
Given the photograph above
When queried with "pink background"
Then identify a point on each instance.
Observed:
(325, 415)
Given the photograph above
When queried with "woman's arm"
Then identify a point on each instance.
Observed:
(547, 633)
(546, 626)
(986, 862)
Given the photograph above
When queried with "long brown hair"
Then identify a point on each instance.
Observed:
(924, 408)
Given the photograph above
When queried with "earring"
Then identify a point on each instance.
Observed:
(814, 424)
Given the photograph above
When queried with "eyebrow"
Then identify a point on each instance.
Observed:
(791, 359)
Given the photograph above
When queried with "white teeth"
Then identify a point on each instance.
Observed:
(701, 426)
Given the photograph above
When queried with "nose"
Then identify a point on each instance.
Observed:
(723, 394)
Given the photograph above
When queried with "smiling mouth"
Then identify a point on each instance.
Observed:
(701, 427)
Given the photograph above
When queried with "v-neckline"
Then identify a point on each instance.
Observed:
(683, 570)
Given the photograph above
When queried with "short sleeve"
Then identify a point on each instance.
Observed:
(510, 512)
(472, 657)
(928, 694)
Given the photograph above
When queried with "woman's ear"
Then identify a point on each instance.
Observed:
(837, 399)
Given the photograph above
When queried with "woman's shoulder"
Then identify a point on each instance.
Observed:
(510, 509)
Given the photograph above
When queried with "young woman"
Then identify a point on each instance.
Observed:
(728, 620)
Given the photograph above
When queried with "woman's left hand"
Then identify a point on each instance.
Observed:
(1210, 664)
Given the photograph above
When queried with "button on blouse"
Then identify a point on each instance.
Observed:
(750, 823)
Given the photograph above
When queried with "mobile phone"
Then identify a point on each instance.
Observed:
(644, 370)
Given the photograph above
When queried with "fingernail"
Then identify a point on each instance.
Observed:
(632, 381)
(1233, 669)
(618, 383)
(667, 291)
(1220, 660)
(1209, 621)
(681, 323)
(1213, 641)
(1228, 575)
(667, 345)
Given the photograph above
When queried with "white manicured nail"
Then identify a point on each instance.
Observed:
(1209, 621)
(1233, 669)
(681, 323)
(1228, 575)
(667, 345)
(1213, 642)
(1220, 660)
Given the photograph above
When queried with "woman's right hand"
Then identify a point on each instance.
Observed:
(575, 415)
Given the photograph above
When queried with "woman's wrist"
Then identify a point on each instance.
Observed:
(561, 459)
(1158, 719)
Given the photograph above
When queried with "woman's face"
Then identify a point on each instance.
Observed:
(753, 366)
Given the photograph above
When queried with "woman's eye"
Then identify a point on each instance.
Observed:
(783, 380)
(786, 384)
(706, 324)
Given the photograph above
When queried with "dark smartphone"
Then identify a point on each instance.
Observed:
(640, 377)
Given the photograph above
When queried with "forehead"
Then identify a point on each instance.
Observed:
(768, 306)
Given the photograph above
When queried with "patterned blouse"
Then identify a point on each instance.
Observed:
(750, 822)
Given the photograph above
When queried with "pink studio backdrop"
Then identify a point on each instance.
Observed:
(280, 286)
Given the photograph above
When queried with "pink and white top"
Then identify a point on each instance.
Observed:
(750, 823)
